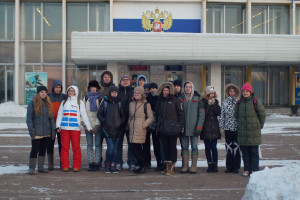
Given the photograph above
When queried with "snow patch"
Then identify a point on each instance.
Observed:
(274, 184)
(279, 116)
(10, 109)
(12, 169)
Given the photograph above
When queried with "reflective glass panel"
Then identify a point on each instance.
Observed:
(52, 52)
(259, 19)
(215, 19)
(279, 20)
(235, 19)
(52, 21)
(2, 83)
(298, 20)
(76, 18)
(31, 21)
(7, 52)
(259, 77)
(7, 17)
(53, 73)
(99, 17)
(30, 52)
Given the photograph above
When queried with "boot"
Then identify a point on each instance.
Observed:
(113, 168)
(159, 166)
(210, 167)
(215, 167)
(193, 169)
(170, 168)
(32, 165)
(41, 161)
(164, 167)
(50, 162)
(185, 162)
(97, 167)
(91, 167)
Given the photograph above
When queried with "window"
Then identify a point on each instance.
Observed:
(298, 20)
(7, 20)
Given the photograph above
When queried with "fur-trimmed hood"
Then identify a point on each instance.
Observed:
(170, 85)
(236, 88)
(204, 96)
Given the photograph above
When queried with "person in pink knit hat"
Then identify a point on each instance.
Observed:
(250, 115)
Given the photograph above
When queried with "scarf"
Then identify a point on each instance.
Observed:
(93, 96)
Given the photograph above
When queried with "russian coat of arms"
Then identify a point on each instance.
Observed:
(157, 21)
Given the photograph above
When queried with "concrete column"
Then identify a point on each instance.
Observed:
(203, 17)
(114, 69)
(17, 47)
(248, 74)
(249, 17)
(293, 17)
(64, 43)
(111, 20)
(292, 85)
(214, 77)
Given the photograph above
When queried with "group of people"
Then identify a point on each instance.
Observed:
(163, 113)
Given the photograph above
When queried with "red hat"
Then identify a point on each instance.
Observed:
(248, 87)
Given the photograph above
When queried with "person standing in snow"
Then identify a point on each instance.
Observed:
(56, 97)
(228, 129)
(250, 115)
(92, 103)
(41, 127)
(68, 124)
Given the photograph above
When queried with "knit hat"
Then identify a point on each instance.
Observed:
(248, 87)
(41, 88)
(93, 83)
(125, 75)
(153, 85)
(112, 88)
(209, 90)
(147, 85)
(177, 82)
(139, 89)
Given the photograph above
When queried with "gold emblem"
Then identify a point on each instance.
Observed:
(157, 25)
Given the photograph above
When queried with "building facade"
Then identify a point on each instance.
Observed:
(213, 42)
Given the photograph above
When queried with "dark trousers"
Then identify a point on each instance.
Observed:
(250, 158)
(50, 145)
(211, 151)
(38, 147)
(233, 156)
(137, 150)
(156, 147)
(170, 149)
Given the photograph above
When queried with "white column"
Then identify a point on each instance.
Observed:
(249, 17)
(293, 17)
(203, 17)
(17, 47)
(111, 22)
(214, 77)
(113, 68)
(64, 43)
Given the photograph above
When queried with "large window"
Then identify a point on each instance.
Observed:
(270, 19)
(7, 17)
(6, 83)
(298, 20)
(233, 74)
(225, 18)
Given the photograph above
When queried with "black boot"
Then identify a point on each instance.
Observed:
(91, 167)
(215, 167)
(97, 167)
(140, 170)
(210, 168)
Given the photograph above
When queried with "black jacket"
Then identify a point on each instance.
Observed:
(153, 101)
(125, 95)
(211, 130)
(110, 117)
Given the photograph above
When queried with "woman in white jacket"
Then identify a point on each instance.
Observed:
(68, 124)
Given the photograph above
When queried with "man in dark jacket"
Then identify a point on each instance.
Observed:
(177, 88)
(125, 94)
(56, 97)
(106, 81)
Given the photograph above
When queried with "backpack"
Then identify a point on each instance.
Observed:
(254, 104)
(105, 105)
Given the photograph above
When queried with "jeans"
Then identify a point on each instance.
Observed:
(211, 151)
(98, 146)
(170, 149)
(185, 140)
(111, 152)
(131, 158)
(38, 146)
(250, 158)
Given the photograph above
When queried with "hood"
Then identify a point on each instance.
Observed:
(204, 96)
(75, 88)
(193, 89)
(236, 88)
(55, 83)
(140, 76)
(160, 89)
(110, 74)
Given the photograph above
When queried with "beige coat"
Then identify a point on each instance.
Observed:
(92, 115)
(137, 122)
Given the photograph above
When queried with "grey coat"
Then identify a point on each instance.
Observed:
(41, 124)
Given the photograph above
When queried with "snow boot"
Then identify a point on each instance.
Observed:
(50, 162)
(185, 163)
(91, 167)
(210, 168)
(193, 169)
(215, 167)
(41, 161)
(32, 165)
(170, 168)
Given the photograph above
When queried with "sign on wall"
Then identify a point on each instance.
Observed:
(32, 81)
(297, 88)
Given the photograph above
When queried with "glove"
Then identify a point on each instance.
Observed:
(222, 132)
(211, 101)
(32, 134)
(96, 129)
(53, 134)
(197, 132)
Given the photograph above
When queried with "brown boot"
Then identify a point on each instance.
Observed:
(185, 162)
(193, 169)
(171, 168)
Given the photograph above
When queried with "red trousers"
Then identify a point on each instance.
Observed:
(66, 136)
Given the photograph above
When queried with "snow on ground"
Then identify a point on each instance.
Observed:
(274, 184)
(10, 109)
(11, 169)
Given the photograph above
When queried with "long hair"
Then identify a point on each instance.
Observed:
(38, 103)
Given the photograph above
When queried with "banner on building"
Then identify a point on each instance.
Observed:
(32, 81)
(297, 88)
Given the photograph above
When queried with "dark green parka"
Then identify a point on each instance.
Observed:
(249, 121)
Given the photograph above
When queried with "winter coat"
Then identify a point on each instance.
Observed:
(111, 117)
(125, 94)
(168, 108)
(137, 120)
(194, 113)
(227, 120)
(104, 86)
(42, 124)
(56, 99)
(211, 130)
(250, 122)
(68, 117)
(92, 115)
(152, 100)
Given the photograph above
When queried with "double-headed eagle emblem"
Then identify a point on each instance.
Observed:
(157, 25)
